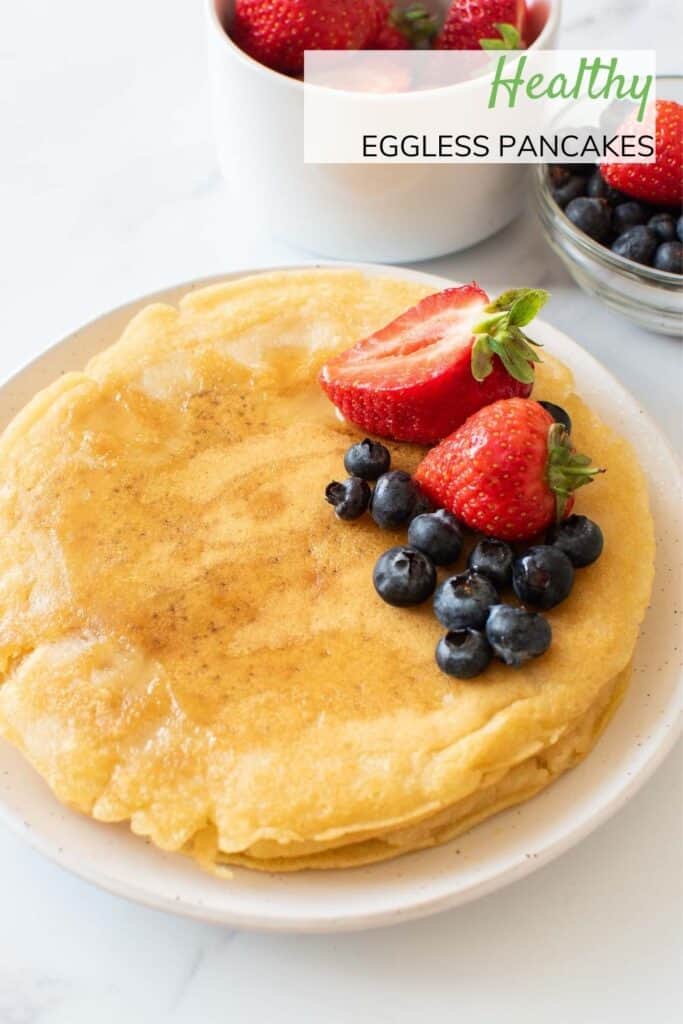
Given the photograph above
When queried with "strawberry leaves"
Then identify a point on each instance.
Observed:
(416, 24)
(510, 39)
(501, 334)
(514, 354)
(566, 470)
(523, 303)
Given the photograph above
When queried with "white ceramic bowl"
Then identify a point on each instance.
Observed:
(386, 213)
(502, 849)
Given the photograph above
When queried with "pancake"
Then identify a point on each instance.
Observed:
(499, 791)
(189, 640)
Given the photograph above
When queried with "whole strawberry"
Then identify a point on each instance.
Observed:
(661, 182)
(276, 32)
(509, 471)
(389, 37)
(422, 375)
(487, 24)
(403, 28)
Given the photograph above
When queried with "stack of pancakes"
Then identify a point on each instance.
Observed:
(190, 641)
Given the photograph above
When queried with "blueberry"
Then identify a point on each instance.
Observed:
(662, 225)
(350, 498)
(404, 576)
(463, 602)
(558, 175)
(367, 459)
(492, 559)
(463, 653)
(565, 186)
(637, 244)
(575, 187)
(627, 215)
(542, 576)
(558, 414)
(516, 635)
(669, 256)
(597, 188)
(591, 216)
(438, 534)
(679, 228)
(580, 539)
(421, 507)
(583, 169)
(393, 502)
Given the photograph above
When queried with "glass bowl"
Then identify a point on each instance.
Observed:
(652, 298)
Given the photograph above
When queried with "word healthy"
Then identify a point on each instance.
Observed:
(594, 79)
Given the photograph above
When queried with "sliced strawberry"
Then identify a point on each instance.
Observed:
(421, 376)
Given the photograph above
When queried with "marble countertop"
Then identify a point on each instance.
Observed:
(110, 189)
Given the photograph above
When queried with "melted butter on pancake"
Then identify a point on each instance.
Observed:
(192, 641)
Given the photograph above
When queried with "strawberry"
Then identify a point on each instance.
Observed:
(422, 375)
(509, 471)
(403, 29)
(383, 11)
(485, 24)
(662, 181)
(276, 32)
(389, 37)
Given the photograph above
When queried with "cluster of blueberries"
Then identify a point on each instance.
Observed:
(634, 230)
(478, 625)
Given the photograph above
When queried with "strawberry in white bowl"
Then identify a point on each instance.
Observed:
(277, 32)
(486, 24)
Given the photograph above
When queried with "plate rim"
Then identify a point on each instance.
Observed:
(663, 740)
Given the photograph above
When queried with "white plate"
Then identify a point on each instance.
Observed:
(507, 847)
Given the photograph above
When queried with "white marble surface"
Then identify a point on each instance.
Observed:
(109, 189)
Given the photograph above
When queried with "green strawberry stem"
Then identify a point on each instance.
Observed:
(510, 38)
(415, 23)
(567, 470)
(501, 334)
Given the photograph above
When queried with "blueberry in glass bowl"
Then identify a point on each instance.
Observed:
(617, 245)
